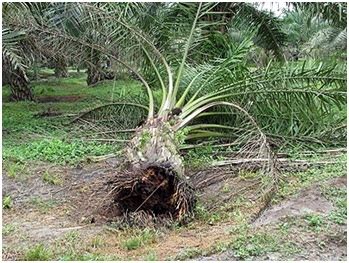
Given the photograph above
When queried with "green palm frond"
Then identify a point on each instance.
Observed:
(333, 12)
(10, 48)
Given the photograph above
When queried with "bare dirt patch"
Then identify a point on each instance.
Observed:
(310, 200)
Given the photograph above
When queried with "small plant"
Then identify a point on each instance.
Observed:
(151, 256)
(315, 222)
(246, 246)
(226, 188)
(97, 242)
(188, 253)
(42, 205)
(144, 139)
(199, 157)
(284, 227)
(181, 136)
(8, 229)
(71, 237)
(338, 197)
(15, 170)
(201, 212)
(52, 179)
(7, 202)
(146, 236)
(132, 243)
(38, 253)
(58, 151)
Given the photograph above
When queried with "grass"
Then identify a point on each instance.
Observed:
(38, 253)
(52, 178)
(27, 137)
(42, 205)
(291, 183)
(68, 248)
(58, 151)
(97, 242)
(315, 222)
(8, 229)
(199, 157)
(211, 218)
(151, 256)
(139, 239)
(188, 253)
(16, 170)
(338, 197)
(7, 202)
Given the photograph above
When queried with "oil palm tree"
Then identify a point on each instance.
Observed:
(14, 65)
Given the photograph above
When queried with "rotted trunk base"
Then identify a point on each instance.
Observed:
(156, 191)
(154, 182)
(96, 75)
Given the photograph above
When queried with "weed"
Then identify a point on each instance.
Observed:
(43, 205)
(38, 252)
(180, 136)
(247, 246)
(51, 179)
(144, 139)
(315, 222)
(97, 242)
(199, 157)
(89, 257)
(219, 247)
(151, 256)
(248, 243)
(188, 253)
(132, 243)
(71, 237)
(292, 182)
(8, 229)
(338, 197)
(15, 170)
(246, 175)
(146, 236)
(285, 227)
(7, 202)
(226, 188)
(59, 151)
(67, 247)
(211, 218)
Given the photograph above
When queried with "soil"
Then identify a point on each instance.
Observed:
(45, 213)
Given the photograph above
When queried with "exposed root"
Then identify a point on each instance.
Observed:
(155, 191)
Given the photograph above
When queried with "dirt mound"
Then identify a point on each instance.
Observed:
(309, 200)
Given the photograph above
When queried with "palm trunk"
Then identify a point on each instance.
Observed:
(154, 180)
(94, 70)
(18, 81)
(94, 74)
(61, 70)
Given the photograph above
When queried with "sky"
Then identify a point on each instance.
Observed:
(275, 7)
